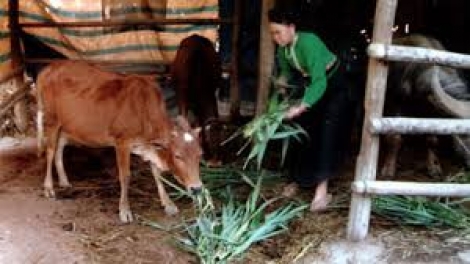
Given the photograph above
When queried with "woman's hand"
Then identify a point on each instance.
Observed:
(295, 111)
(280, 84)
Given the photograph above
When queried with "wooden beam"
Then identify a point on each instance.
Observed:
(137, 22)
(420, 55)
(366, 165)
(411, 188)
(265, 60)
(406, 125)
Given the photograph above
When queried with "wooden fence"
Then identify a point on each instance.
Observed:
(365, 183)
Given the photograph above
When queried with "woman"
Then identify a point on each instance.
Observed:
(323, 111)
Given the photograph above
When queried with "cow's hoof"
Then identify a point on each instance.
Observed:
(49, 193)
(171, 209)
(435, 172)
(387, 173)
(126, 216)
(65, 185)
(214, 163)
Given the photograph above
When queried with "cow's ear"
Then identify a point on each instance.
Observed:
(197, 131)
(159, 144)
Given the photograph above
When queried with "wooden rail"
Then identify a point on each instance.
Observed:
(410, 188)
(417, 54)
(137, 22)
(406, 125)
(375, 124)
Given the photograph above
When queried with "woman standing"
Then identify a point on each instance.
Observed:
(324, 110)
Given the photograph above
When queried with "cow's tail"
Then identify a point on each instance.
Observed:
(40, 122)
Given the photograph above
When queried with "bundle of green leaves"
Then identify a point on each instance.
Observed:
(225, 235)
(269, 126)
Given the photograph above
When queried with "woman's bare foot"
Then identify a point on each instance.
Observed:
(290, 190)
(320, 204)
(214, 163)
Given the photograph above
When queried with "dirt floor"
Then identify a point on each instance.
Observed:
(82, 225)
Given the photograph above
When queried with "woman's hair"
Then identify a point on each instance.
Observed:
(285, 17)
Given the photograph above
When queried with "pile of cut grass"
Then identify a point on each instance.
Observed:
(409, 210)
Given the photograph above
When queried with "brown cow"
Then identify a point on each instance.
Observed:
(85, 105)
(196, 75)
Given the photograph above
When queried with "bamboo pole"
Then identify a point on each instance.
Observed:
(266, 59)
(402, 125)
(129, 66)
(136, 22)
(416, 54)
(21, 115)
(411, 188)
(366, 165)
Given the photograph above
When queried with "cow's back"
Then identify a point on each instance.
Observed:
(94, 106)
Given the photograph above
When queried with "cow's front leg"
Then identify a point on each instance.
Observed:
(170, 207)
(434, 166)
(123, 157)
(389, 168)
(59, 163)
(50, 153)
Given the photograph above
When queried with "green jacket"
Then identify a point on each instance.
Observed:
(311, 57)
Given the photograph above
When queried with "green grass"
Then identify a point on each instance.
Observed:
(423, 211)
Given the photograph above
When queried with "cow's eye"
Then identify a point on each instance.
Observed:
(178, 156)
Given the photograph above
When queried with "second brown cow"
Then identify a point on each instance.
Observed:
(83, 104)
(196, 75)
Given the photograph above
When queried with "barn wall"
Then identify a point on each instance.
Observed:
(108, 43)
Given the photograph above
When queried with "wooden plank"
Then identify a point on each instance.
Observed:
(411, 188)
(265, 60)
(417, 54)
(366, 165)
(407, 125)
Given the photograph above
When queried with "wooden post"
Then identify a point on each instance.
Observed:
(20, 109)
(234, 84)
(266, 59)
(366, 166)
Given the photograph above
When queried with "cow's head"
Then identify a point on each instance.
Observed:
(180, 154)
(184, 155)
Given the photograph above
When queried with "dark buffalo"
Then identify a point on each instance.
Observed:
(425, 90)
